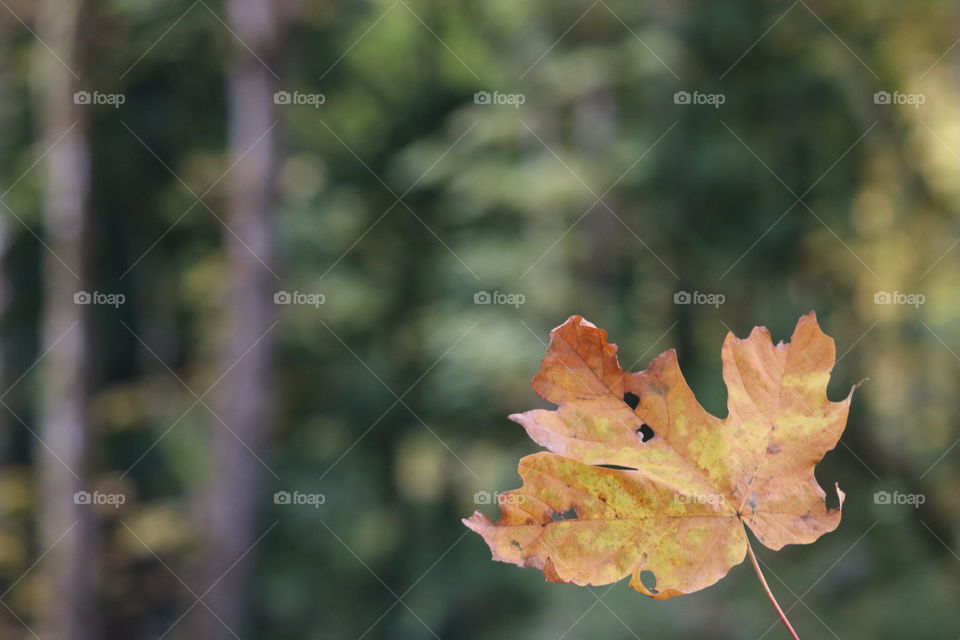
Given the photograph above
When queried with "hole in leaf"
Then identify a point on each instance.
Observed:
(631, 399)
(649, 580)
(569, 514)
(645, 432)
(616, 467)
(832, 501)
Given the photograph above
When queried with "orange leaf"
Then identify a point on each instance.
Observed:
(611, 501)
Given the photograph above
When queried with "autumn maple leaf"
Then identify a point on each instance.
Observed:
(642, 478)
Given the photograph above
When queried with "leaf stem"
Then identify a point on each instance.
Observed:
(766, 588)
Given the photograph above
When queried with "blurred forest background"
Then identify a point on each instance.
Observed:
(242, 326)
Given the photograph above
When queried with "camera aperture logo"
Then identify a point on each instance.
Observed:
(299, 98)
(897, 498)
(898, 297)
(99, 498)
(699, 297)
(513, 99)
(98, 297)
(96, 98)
(911, 99)
(498, 297)
(299, 297)
(486, 497)
(712, 99)
(298, 498)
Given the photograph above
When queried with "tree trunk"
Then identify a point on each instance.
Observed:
(243, 397)
(7, 150)
(64, 426)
